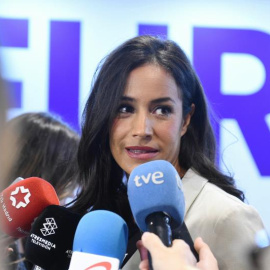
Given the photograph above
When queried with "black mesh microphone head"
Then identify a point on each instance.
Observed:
(49, 244)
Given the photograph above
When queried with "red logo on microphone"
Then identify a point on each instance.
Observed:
(106, 265)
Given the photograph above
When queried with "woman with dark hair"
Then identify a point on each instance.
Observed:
(42, 146)
(146, 104)
(46, 147)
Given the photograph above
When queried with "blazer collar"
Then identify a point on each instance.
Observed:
(192, 186)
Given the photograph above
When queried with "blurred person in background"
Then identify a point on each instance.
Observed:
(43, 146)
(5, 163)
(4, 141)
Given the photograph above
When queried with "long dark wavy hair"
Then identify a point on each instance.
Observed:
(100, 176)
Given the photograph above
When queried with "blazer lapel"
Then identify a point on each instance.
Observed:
(192, 186)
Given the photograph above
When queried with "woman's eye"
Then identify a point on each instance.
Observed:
(124, 109)
(163, 110)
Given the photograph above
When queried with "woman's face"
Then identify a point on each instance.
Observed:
(149, 123)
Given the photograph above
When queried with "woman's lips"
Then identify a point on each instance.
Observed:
(140, 152)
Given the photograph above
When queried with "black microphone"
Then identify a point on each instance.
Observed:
(157, 201)
(183, 233)
(49, 245)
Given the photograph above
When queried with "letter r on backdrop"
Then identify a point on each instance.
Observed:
(248, 110)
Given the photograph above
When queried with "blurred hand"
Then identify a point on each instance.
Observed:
(163, 258)
(5, 241)
(207, 261)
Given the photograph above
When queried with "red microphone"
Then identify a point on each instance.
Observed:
(22, 202)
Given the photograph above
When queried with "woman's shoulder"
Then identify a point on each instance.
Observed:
(198, 190)
(227, 224)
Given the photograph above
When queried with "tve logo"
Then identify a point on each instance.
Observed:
(63, 63)
(155, 177)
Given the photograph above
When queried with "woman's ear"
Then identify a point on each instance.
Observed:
(187, 119)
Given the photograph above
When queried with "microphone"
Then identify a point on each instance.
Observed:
(100, 241)
(22, 202)
(17, 180)
(157, 201)
(49, 244)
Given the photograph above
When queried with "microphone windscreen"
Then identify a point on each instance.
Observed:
(22, 202)
(156, 186)
(49, 244)
(102, 232)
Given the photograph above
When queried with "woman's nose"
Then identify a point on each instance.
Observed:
(142, 126)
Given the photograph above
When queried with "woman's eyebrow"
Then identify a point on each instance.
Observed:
(126, 98)
(155, 101)
(160, 100)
